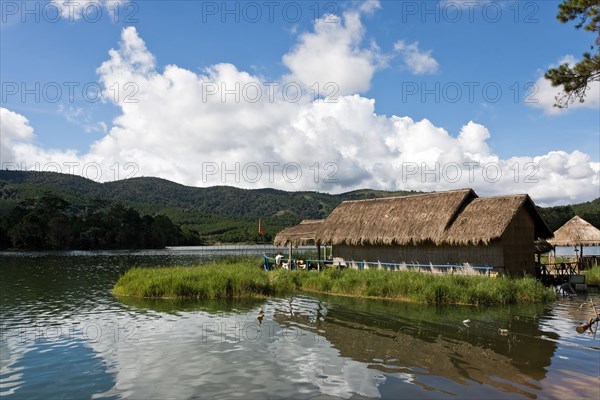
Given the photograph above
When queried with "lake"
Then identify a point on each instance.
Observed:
(65, 336)
(570, 250)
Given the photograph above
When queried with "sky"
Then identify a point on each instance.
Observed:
(320, 96)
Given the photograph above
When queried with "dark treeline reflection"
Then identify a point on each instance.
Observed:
(52, 223)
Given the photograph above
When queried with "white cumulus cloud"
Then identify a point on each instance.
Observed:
(334, 54)
(225, 126)
(415, 60)
(15, 131)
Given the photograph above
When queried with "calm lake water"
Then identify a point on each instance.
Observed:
(570, 250)
(65, 336)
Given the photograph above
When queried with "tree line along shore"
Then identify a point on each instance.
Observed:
(203, 215)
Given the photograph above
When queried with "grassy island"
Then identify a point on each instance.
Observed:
(244, 279)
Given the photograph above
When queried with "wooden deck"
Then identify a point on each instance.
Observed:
(557, 273)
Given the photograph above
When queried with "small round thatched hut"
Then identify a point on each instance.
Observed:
(576, 232)
(302, 234)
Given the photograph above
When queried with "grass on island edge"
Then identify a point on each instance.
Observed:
(592, 275)
(244, 279)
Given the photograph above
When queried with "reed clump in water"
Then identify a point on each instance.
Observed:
(245, 279)
(428, 288)
(210, 281)
(592, 275)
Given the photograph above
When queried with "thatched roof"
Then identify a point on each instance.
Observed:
(576, 232)
(456, 217)
(542, 246)
(486, 219)
(299, 235)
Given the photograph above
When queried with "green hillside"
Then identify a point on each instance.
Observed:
(556, 216)
(218, 214)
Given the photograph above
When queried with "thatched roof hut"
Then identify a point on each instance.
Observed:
(543, 246)
(443, 228)
(300, 235)
(576, 232)
(456, 217)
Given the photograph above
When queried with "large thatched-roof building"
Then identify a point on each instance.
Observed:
(454, 227)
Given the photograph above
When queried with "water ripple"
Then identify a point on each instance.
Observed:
(64, 333)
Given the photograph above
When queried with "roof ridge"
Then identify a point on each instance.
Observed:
(505, 196)
(412, 195)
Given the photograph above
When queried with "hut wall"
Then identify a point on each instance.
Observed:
(490, 255)
(519, 244)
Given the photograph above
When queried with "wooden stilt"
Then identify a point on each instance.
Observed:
(318, 257)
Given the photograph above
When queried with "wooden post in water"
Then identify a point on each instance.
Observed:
(318, 256)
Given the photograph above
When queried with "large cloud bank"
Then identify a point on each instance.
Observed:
(225, 126)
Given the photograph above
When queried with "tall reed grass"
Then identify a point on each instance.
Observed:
(211, 281)
(592, 275)
(427, 288)
(244, 279)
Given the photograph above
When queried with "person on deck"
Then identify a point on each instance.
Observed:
(279, 260)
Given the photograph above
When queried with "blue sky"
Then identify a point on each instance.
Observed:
(468, 75)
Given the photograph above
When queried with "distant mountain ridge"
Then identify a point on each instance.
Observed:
(219, 213)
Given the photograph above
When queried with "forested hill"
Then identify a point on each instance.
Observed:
(556, 216)
(218, 214)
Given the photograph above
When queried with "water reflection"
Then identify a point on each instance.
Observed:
(64, 333)
(179, 307)
(414, 342)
